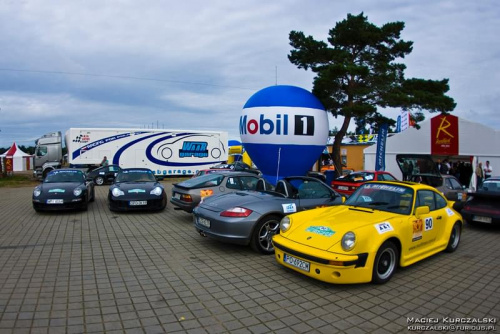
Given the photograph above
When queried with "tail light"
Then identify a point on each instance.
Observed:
(186, 198)
(236, 212)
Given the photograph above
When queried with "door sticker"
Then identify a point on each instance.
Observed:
(289, 208)
(383, 227)
(418, 227)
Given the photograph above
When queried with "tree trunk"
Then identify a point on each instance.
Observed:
(337, 160)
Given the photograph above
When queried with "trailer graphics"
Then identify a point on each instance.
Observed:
(165, 152)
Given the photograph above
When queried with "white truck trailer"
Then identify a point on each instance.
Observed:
(165, 152)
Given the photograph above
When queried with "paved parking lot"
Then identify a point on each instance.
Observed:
(98, 271)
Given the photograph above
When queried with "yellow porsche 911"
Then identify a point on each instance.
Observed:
(382, 225)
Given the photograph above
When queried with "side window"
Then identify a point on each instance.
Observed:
(42, 150)
(113, 169)
(440, 201)
(455, 184)
(426, 198)
(312, 189)
(386, 177)
(248, 182)
(233, 183)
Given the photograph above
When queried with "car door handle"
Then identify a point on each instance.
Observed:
(439, 217)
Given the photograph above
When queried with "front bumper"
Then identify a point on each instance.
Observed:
(73, 204)
(123, 204)
(326, 266)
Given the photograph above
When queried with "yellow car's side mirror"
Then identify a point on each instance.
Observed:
(422, 210)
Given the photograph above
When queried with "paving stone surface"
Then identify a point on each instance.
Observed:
(98, 271)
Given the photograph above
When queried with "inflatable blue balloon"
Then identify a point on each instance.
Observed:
(284, 130)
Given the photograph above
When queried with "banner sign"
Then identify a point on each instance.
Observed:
(381, 140)
(444, 135)
(403, 121)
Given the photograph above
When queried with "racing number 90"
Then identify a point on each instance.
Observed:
(428, 223)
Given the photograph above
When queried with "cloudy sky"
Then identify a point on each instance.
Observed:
(193, 64)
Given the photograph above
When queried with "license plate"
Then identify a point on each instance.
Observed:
(55, 201)
(293, 261)
(482, 219)
(136, 203)
(204, 222)
(177, 196)
(343, 188)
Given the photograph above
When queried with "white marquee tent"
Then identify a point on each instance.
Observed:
(475, 140)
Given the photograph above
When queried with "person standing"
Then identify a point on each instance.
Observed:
(488, 170)
(104, 161)
(479, 175)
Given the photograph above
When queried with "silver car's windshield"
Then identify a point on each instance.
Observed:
(207, 180)
(384, 197)
(490, 185)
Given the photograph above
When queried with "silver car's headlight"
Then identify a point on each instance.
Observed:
(156, 191)
(77, 191)
(37, 192)
(117, 192)
(348, 241)
(285, 224)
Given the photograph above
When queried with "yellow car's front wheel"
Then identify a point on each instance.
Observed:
(385, 263)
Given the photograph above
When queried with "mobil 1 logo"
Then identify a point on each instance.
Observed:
(304, 125)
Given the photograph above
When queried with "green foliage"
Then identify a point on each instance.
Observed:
(357, 73)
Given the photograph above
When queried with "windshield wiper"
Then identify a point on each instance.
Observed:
(378, 203)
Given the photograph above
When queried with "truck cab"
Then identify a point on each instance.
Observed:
(48, 154)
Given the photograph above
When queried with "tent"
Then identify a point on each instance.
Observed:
(22, 161)
(474, 140)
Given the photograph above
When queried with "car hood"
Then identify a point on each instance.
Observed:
(248, 199)
(60, 187)
(136, 186)
(324, 228)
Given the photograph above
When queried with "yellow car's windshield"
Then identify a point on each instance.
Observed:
(384, 197)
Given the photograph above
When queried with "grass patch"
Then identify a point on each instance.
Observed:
(18, 181)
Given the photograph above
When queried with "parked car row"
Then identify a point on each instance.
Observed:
(333, 234)
(132, 189)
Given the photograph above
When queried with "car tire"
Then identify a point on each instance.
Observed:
(99, 180)
(455, 236)
(263, 233)
(386, 262)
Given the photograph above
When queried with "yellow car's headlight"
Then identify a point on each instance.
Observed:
(285, 224)
(348, 241)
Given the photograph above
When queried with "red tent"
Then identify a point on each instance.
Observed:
(21, 160)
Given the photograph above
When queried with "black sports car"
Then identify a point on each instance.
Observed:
(104, 174)
(63, 189)
(136, 189)
(483, 206)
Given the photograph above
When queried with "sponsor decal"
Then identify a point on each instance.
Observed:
(206, 192)
(418, 227)
(321, 230)
(56, 190)
(289, 208)
(278, 125)
(449, 212)
(197, 149)
(396, 189)
(383, 227)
